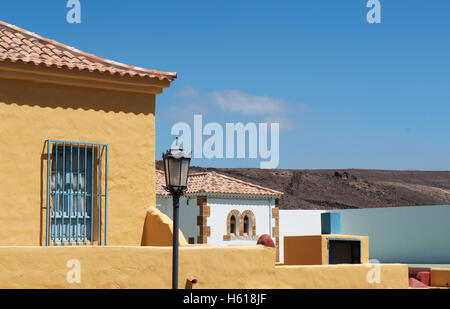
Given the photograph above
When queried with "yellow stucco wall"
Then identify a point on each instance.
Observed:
(440, 277)
(150, 267)
(158, 230)
(313, 249)
(32, 112)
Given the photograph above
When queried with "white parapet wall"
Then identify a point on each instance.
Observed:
(298, 222)
(414, 235)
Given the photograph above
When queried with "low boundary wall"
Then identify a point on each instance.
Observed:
(243, 267)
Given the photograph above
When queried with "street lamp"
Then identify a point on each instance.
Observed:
(176, 167)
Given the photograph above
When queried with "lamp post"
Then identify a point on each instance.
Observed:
(176, 167)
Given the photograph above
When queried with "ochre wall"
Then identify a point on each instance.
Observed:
(158, 230)
(32, 112)
(440, 277)
(150, 267)
(313, 250)
(302, 250)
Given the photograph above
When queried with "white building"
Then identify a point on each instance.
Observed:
(221, 210)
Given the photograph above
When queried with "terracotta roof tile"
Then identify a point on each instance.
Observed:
(7, 40)
(212, 182)
(16, 40)
(28, 47)
(19, 35)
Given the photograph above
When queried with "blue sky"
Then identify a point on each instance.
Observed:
(347, 93)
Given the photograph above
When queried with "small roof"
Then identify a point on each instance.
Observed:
(19, 45)
(212, 182)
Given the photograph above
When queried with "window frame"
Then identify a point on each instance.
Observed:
(246, 223)
(98, 180)
(233, 225)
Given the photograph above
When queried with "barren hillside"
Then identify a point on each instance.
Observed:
(351, 188)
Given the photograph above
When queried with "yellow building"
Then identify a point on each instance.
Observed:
(77, 170)
(59, 104)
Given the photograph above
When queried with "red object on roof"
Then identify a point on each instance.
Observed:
(19, 45)
(424, 277)
(414, 283)
(413, 271)
(266, 241)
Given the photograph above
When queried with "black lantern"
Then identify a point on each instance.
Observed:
(176, 167)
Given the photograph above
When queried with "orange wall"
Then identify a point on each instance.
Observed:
(304, 250)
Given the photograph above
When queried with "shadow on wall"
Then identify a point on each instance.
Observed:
(43, 202)
(158, 230)
(25, 93)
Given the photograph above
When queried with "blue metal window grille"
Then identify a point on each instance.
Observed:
(77, 193)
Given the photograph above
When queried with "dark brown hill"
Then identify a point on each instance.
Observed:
(350, 188)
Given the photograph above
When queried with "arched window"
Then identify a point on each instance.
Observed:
(233, 224)
(246, 222)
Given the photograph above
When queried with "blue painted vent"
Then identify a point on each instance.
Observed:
(331, 223)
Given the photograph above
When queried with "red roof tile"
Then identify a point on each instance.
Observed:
(18, 45)
(212, 182)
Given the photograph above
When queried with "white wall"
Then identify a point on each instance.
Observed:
(221, 207)
(298, 222)
(188, 214)
(414, 235)
(417, 235)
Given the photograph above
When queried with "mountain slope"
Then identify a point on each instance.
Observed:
(350, 188)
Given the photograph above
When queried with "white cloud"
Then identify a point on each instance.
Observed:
(188, 102)
(248, 104)
(188, 93)
(285, 123)
(265, 108)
